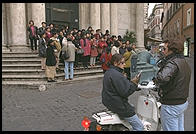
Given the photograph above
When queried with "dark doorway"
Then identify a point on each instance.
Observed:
(63, 14)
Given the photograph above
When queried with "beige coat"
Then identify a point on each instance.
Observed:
(71, 50)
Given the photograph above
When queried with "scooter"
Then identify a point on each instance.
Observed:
(148, 110)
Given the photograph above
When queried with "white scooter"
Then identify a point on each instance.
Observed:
(148, 110)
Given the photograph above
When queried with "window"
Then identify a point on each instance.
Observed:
(188, 15)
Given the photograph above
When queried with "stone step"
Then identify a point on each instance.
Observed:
(39, 71)
(22, 52)
(36, 66)
(42, 76)
(21, 61)
(37, 83)
(21, 66)
(20, 56)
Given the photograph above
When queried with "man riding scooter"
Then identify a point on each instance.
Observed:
(116, 90)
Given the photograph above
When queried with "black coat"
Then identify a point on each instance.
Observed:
(50, 56)
(116, 90)
(41, 30)
(42, 48)
(30, 32)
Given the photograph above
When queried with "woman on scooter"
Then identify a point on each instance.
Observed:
(116, 90)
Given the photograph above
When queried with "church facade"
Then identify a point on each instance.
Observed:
(115, 17)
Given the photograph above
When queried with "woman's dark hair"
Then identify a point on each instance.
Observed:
(92, 36)
(51, 24)
(47, 28)
(129, 49)
(116, 43)
(176, 46)
(43, 34)
(116, 58)
(43, 22)
(31, 21)
(49, 42)
(107, 31)
(54, 33)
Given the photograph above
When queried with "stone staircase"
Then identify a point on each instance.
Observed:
(24, 68)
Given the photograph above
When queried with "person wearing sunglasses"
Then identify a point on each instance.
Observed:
(173, 79)
(116, 90)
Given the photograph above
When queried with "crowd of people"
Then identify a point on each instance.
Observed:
(86, 46)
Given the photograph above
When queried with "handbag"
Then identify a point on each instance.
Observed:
(65, 54)
(80, 51)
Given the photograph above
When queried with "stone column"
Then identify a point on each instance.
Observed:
(105, 17)
(133, 16)
(95, 15)
(3, 26)
(114, 18)
(84, 15)
(38, 13)
(140, 25)
(18, 24)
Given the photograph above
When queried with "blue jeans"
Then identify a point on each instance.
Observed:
(135, 123)
(172, 117)
(66, 70)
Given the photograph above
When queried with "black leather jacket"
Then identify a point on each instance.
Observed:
(174, 78)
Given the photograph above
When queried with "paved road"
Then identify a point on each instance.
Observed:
(62, 107)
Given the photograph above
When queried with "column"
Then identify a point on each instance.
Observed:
(38, 13)
(133, 16)
(105, 17)
(3, 26)
(95, 15)
(18, 23)
(140, 25)
(114, 19)
(84, 15)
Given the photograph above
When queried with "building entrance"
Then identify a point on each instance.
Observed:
(63, 14)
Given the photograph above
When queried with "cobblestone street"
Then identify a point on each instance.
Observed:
(62, 107)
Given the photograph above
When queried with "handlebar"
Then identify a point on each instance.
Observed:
(149, 85)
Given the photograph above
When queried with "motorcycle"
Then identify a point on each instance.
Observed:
(148, 110)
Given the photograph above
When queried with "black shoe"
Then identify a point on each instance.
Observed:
(49, 80)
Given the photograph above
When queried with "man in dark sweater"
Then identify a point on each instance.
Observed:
(116, 90)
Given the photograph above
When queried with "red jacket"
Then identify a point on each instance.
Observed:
(94, 52)
(102, 44)
(108, 58)
(87, 48)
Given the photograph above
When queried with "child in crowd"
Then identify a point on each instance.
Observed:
(105, 59)
(94, 52)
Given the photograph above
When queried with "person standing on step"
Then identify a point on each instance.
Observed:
(58, 47)
(42, 50)
(127, 57)
(94, 52)
(42, 29)
(33, 34)
(86, 46)
(105, 59)
(51, 61)
(69, 63)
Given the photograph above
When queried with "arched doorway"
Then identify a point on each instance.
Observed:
(63, 14)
